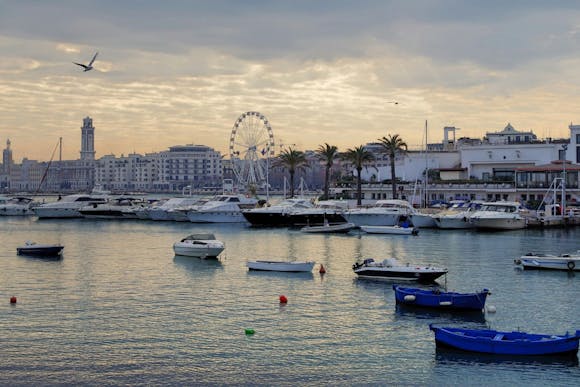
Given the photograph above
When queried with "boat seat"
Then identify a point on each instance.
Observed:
(499, 336)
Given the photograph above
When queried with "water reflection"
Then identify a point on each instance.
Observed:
(197, 264)
(468, 316)
(446, 355)
(48, 258)
(281, 274)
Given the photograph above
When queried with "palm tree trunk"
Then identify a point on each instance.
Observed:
(326, 181)
(359, 188)
(393, 178)
(291, 184)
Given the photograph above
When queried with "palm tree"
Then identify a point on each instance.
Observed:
(293, 160)
(359, 156)
(327, 154)
(393, 145)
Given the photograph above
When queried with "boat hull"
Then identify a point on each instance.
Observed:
(440, 300)
(505, 343)
(198, 251)
(57, 212)
(393, 274)
(330, 228)
(396, 230)
(453, 223)
(216, 217)
(40, 250)
(314, 219)
(359, 218)
(548, 262)
(280, 266)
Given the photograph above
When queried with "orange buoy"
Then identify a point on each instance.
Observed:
(322, 270)
(13, 300)
(283, 299)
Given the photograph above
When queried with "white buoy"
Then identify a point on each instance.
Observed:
(491, 309)
(445, 303)
(409, 298)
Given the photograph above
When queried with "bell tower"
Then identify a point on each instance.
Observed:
(87, 139)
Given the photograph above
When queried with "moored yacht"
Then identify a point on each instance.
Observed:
(67, 206)
(222, 209)
(457, 216)
(500, 216)
(114, 209)
(330, 211)
(276, 215)
(17, 206)
(384, 213)
(161, 212)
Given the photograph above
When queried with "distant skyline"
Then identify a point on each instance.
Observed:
(181, 72)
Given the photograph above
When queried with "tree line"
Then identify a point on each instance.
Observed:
(294, 160)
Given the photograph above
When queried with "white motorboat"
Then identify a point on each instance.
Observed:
(391, 269)
(17, 206)
(568, 262)
(387, 212)
(68, 206)
(179, 214)
(161, 212)
(199, 245)
(276, 215)
(41, 250)
(422, 219)
(457, 216)
(287, 266)
(499, 216)
(222, 209)
(397, 230)
(329, 228)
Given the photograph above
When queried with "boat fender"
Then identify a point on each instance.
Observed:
(445, 303)
(571, 265)
(491, 309)
(409, 298)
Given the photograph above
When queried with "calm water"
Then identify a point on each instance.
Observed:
(120, 309)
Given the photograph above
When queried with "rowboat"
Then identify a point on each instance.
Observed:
(397, 230)
(506, 343)
(329, 228)
(435, 298)
(287, 266)
(570, 262)
(40, 250)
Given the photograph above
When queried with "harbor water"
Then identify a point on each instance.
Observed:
(120, 309)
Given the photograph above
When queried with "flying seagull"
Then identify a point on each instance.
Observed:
(90, 65)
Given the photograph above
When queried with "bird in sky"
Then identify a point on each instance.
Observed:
(89, 66)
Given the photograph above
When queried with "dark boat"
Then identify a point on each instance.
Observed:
(276, 215)
(391, 269)
(31, 248)
(506, 343)
(435, 298)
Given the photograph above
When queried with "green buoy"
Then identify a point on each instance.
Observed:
(250, 331)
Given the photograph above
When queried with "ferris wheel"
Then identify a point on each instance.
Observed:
(251, 145)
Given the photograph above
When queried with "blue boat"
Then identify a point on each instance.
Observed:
(506, 343)
(435, 298)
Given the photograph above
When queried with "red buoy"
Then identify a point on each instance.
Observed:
(283, 299)
(13, 300)
(322, 270)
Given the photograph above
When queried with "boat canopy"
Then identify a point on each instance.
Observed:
(203, 237)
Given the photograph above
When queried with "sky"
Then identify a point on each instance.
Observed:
(182, 72)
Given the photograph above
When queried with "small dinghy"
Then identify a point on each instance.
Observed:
(329, 228)
(435, 298)
(391, 269)
(287, 266)
(506, 343)
(396, 230)
(39, 250)
(531, 261)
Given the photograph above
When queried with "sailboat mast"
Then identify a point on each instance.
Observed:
(426, 168)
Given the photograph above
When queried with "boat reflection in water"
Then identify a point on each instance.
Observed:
(466, 316)
(451, 356)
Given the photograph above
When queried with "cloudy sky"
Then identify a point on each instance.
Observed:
(181, 72)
